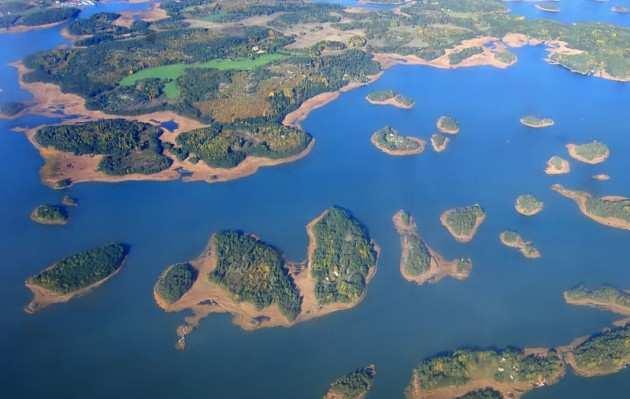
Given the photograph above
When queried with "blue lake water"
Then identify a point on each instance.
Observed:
(116, 340)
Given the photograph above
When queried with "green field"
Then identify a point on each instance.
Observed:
(173, 71)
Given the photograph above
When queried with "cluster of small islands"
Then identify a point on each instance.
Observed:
(237, 100)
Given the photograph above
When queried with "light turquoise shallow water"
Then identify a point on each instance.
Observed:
(116, 342)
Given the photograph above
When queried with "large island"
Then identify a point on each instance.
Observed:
(418, 262)
(242, 275)
(75, 275)
(612, 211)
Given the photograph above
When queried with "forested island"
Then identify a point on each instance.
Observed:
(390, 97)
(439, 142)
(240, 274)
(557, 166)
(536, 122)
(513, 239)
(593, 153)
(528, 205)
(75, 275)
(50, 214)
(418, 262)
(354, 385)
(604, 297)
(612, 211)
(448, 125)
(463, 222)
(511, 372)
(388, 140)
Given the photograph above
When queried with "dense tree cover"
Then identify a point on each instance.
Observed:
(12, 108)
(98, 23)
(82, 269)
(506, 366)
(513, 239)
(604, 353)
(485, 393)
(419, 256)
(462, 221)
(33, 13)
(605, 295)
(528, 204)
(50, 214)
(255, 272)
(609, 208)
(591, 151)
(175, 281)
(343, 257)
(389, 138)
(128, 146)
(353, 385)
(228, 147)
(463, 54)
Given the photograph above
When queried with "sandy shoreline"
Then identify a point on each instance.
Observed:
(438, 268)
(400, 153)
(43, 297)
(581, 199)
(564, 168)
(439, 147)
(206, 297)
(610, 307)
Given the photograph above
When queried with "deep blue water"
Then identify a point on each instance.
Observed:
(116, 342)
(576, 11)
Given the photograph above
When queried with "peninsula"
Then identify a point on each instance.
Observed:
(50, 214)
(240, 274)
(354, 385)
(391, 142)
(591, 153)
(557, 166)
(536, 122)
(604, 297)
(390, 97)
(612, 211)
(463, 222)
(439, 142)
(528, 205)
(448, 125)
(418, 262)
(513, 239)
(75, 275)
(600, 354)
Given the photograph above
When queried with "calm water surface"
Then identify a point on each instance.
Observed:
(116, 340)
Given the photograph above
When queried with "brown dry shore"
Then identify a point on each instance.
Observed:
(610, 307)
(438, 268)
(581, 198)
(439, 147)
(206, 297)
(572, 151)
(463, 238)
(43, 297)
(399, 153)
(564, 168)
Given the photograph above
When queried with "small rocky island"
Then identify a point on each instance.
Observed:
(418, 262)
(390, 97)
(50, 214)
(463, 222)
(240, 274)
(513, 239)
(391, 142)
(528, 205)
(354, 385)
(592, 153)
(75, 275)
(548, 6)
(557, 166)
(612, 211)
(447, 124)
(601, 177)
(604, 297)
(537, 122)
(439, 142)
